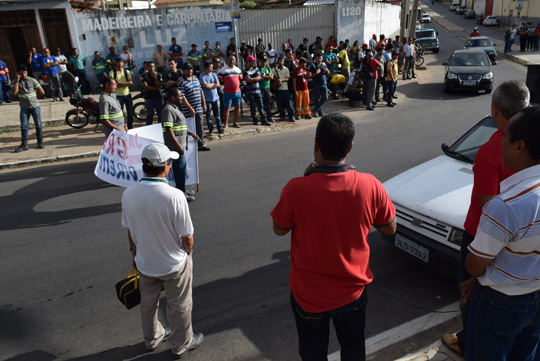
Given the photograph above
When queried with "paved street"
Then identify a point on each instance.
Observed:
(63, 247)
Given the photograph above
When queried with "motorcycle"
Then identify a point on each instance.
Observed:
(419, 61)
(139, 109)
(475, 32)
(86, 110)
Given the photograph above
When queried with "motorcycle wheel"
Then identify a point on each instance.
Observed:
(419, 61)
(76, 119)
(273, 105)
(139, 111)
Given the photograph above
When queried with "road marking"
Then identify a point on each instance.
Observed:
(389, 337)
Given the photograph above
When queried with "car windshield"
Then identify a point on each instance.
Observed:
(480, 42)
(425, 15)
(467, 146)
(470, 59)
(425, 34)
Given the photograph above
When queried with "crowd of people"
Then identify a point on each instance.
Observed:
(529, 37)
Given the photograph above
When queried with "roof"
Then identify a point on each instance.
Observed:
(319, 2)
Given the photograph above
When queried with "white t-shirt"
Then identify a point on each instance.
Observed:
(125, 58)
(62, 67)
(409, 50)
(269, 53)
(157, 216)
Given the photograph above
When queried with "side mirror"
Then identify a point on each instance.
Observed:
(436, 33)
(445, 64)
(444, 147)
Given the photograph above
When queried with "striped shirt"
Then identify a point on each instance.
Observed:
(171, 117)
(231, 79)
(191, 90)
(27, 92)
(509, 234)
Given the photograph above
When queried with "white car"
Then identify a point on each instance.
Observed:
(432, 201)
(418, 26)
(491, 21)
(425, 18)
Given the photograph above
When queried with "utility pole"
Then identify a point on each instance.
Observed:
(405, 8)
(413, 18)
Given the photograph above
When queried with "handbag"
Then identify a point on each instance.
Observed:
(275, 83)
(127, 290)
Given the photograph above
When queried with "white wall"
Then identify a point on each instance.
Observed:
(381, 18)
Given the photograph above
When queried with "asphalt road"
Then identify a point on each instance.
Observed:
(62, 246)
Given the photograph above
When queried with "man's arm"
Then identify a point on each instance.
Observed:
(476, 266)
(388, 229)
(187, 242)
(170, 134)
(280, 231)
(133, 249)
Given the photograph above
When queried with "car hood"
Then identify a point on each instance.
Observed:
(439, 189)
(485, 48)
(481, 70)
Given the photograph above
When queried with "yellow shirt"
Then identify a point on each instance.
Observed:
(392, 68)
(121, 77)
(344, 58)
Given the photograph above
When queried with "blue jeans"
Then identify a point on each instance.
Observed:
(25, 117)
(391, 90)
(283, 100)
(83, 78)
(255, 100)
(4, 93)
(213, 107)
(314, 329)
(151, 106)
(128, 101)
(503, 328)
(179, 167)
(321, 96)
(267, 102)
(506, 45)
(511, 43)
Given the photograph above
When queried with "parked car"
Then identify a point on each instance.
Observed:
(427, 39)
(468, 69)
(454, 7)
(432, 200)
(469, 14)
(491, 20)
(425, 18)
(461, 9)
(418, 26)
(482, 42)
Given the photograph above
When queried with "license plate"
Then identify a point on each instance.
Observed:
(469, 83)
(411, 247)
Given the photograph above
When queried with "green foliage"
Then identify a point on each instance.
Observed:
(248, 4)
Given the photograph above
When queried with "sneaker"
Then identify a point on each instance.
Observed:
(390, 105)
(195, 343)
(308, 116)
(297, 118)
(190, 198)
(266, 123)
(203, 148)
(414, 76)
(370, 108)
(61, 99)
(189, 192)
(165, 338)
(21, 148)
(394, 97)
(281, 119)
(8, 101)
(315, 114)
(210, 132)
(40, 145)
(221, 131)
(321, 114)
(293, 119)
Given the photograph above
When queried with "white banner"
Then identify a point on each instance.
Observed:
(120, 160)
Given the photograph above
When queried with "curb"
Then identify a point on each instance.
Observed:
(512, 58)
(425, 354)
(44, 123)
(59, 158)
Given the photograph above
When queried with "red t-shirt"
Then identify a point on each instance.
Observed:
(300, 76)
(489, 172)
(331, 212)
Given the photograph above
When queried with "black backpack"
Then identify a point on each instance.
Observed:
(365, 70)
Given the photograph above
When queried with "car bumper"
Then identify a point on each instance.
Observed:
(455, 84)
(441, 258)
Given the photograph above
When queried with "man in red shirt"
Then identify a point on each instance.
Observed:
(370, 82)
(301, 92)
(489, 171)
(330, 211)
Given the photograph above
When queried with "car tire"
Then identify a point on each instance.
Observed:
(446, 89)
(488, 91)
(435, 51)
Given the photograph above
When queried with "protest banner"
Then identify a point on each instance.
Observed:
(192, 155)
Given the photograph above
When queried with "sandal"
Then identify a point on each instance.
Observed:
(452, 342)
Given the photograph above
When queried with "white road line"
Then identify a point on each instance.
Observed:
(389, 337)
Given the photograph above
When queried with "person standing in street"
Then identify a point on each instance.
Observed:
(301, 92)
(160, 234)
(231, 76)
(4, 83)
(50, 63)
(191, 90)
(283, 97)
(489, 171)
(370, 74)
(391, 79)
(330, 212)
(152, 82)
(210, 84)
(252, 76)
(318, 73)
(28, 89)
(264, 85)
(504, 316)
(410, 51)
(175, 134)
(110, 112)
(78, 63)
(123, 93)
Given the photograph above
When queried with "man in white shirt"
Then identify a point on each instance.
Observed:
(409, 50)
(160, 234)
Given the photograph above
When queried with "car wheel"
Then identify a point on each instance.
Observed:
(446, 89)
(488, 91)
(436, 50)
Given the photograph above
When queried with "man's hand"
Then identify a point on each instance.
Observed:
(467, 288)
(125, 128)
(195, 137)
(133, 263)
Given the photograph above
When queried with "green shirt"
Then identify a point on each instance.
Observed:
(265, 84)
(77, 62)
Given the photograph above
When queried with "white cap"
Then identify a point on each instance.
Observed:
(158, 154)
